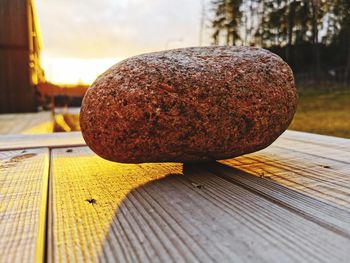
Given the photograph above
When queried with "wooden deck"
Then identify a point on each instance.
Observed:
(26, 123)
(287, 203)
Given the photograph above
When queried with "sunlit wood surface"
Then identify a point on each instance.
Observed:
(287, 203)
(23, 188)
(26, 123)
(53, 140)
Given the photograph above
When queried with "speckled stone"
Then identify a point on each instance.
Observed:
(188, 105)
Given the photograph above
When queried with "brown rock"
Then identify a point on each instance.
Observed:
(192, 104)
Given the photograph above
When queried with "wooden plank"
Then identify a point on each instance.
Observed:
(326, 214)
(315, 145)
(167, 212)
(326, 140)
(54, 140)
(41, 122)
(23, 190)
(78, 228)
(303, 167)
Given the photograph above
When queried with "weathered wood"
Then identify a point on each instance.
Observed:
(304, 166)
(327, 181)
(79, 232)
(26, 123)
(317, 139)
(64, 139)
(162, 212)
(327, 147)
(290, 201)
(23, 196)
(338, 153)
(331, 217)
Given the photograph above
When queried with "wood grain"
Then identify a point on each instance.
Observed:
(290, 201)
(54, 140)
(23, 188)
(305, 167)
(16, 123)
(325, 214)
(318, 139)
(337, 149)
(83, 205)
(169, 213)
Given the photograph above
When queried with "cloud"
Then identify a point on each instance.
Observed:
(116, 28)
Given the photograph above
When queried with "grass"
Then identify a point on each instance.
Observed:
(323, 112)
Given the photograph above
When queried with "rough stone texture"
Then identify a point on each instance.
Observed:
(185, 105)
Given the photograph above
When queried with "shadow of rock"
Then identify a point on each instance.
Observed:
(205, 212)
(196, 216)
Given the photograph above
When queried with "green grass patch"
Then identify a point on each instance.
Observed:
(323, 112)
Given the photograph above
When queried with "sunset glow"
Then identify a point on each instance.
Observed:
(70, 70)
(83, 38)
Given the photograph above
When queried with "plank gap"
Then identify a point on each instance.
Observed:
(269, 189)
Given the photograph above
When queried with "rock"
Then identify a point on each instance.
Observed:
(189, 105)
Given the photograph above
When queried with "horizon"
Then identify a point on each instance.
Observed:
(94, 36)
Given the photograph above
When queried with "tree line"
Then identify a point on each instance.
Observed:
(313, 36)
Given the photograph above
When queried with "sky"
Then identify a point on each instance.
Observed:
(83, 38)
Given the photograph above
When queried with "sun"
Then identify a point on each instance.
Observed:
(68, 70)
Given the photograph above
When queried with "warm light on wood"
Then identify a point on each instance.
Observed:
(288, 201)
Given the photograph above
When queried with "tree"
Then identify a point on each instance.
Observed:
(315, 23)
(227, 20)
(341, 11)
(292, 24)
(312, 35)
